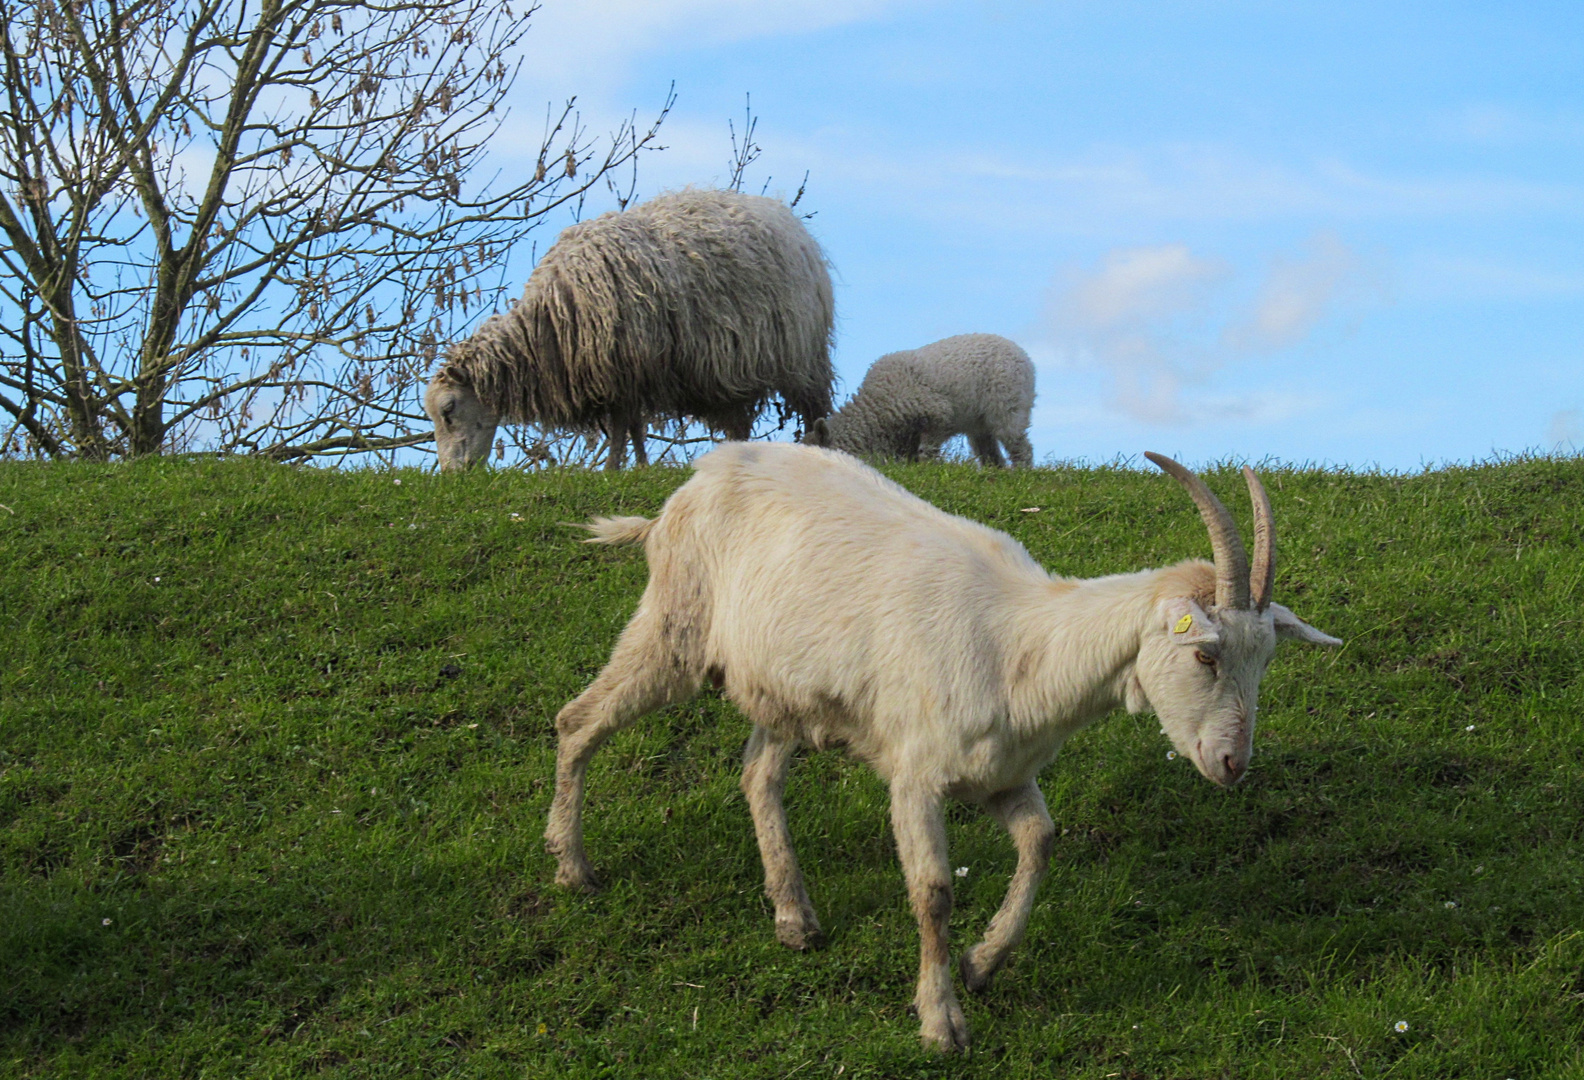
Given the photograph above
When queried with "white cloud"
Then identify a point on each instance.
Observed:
(1136, 286)
(1295, 296)
(1155, 321)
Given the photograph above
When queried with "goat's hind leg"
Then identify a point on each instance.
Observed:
(641, 676)
(765, 763)
(1022, 811)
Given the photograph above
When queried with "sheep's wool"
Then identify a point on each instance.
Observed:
(699, 303)
(911, 402)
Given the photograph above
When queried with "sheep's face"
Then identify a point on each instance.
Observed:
(1200, 671)
(464, 427)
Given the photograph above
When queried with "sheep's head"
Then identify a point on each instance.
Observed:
(464, 426)
(1203, 655)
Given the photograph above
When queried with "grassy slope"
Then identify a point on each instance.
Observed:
(225, 728)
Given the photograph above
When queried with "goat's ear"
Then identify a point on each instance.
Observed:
(818, 433)
(1187, 623)
(1290, 626)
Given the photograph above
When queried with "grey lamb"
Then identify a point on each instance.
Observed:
(911, 402)
(698, 304)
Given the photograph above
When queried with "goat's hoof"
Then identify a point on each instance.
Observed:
(976, 972)
(579, 879)
(799, 936)
(946, 1030)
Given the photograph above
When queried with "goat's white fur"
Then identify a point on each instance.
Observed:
(838, 609)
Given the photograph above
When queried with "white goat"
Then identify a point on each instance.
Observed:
(838, 609)
(911, 402)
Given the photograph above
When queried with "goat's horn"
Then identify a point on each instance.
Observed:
(1263, 577)
(1231, 561)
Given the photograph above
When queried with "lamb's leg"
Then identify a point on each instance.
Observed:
(920, 827)
(984, 445)
(1019, 449)
(1022, 811)
(765, 763)
(641, 676)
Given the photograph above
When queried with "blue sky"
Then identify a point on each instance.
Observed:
(1329, 232)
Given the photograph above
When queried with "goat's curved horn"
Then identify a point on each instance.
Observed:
(1263, 577)
(1231, 561)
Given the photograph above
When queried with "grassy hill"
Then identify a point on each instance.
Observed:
(275, 753)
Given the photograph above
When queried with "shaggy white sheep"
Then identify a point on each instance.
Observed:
(836, 609)
(910, 403)
(699, 304)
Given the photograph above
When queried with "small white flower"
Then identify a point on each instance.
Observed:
(105, 922)
(412, 526)
(398, 483)
(373, 791)
(1171, 755)
(961, 871)
(1400, 1026)
(516, 516)
(1469, 728)
(156, 581)
(1479, 869)
(1450, 904)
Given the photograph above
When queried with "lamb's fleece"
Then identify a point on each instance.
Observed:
(911, 402)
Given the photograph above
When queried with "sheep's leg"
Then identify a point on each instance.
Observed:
(739, 427)
(1022, 811)
(638, 427)
(642, 675)
(616, 437)
(920, 827)
(1019, 449)
(984, 445)
(765, 764)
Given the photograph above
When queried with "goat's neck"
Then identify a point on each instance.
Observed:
(1080, 642)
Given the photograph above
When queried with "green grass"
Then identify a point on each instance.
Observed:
(251, 823)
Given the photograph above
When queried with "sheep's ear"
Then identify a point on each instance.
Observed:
(1290, 626)
(818, 433)
(1187, 623)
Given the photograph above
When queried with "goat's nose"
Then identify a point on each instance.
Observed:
(1234, 768)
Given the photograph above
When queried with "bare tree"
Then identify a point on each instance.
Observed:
(250, 225)
(747, 151)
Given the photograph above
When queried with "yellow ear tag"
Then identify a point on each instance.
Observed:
(1183, 624)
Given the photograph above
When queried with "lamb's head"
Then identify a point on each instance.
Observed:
(1213, 633)
(464, 425)
(819, 431)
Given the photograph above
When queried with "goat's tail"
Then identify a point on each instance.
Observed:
(618, 530)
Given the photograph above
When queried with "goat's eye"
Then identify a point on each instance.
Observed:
(1204, 658)
(447, 409)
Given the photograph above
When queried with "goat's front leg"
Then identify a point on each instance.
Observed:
(1022, 811)
(920, 827)
(765, 764)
